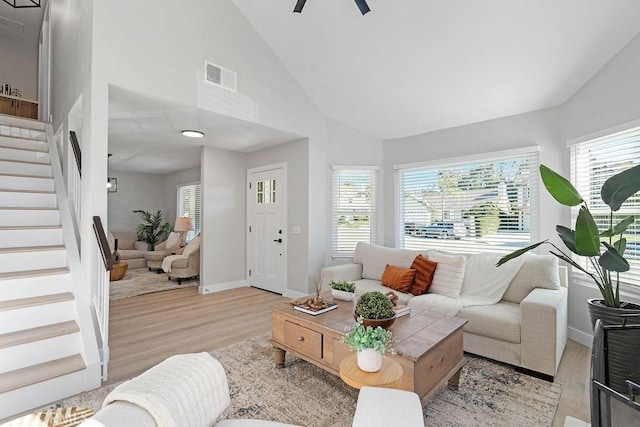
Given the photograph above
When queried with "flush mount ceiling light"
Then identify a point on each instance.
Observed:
(19, 4)
(362, 5)
(193, 133)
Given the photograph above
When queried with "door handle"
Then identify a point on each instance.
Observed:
(278, 240)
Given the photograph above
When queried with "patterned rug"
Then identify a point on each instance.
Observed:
(490, 394)
(141, 281)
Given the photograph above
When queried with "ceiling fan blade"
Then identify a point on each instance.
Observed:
(363, 6)
(299, 6)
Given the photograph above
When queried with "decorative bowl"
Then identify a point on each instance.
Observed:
(342, 295)
(383, 323)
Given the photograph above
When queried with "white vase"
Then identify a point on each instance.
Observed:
(343, 295)
(369, 360)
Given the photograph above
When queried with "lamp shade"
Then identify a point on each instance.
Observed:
(183, 224)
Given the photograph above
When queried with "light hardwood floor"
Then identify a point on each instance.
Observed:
(146, 329)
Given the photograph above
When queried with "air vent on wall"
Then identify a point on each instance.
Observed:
(219, 76)
(11, 24)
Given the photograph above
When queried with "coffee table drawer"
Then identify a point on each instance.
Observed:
(303, 340)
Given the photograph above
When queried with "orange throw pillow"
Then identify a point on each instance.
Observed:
(424, 275)
(398, 278)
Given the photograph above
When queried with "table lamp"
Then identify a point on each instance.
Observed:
(183, 224)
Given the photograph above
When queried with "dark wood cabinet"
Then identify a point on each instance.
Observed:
(18, 107)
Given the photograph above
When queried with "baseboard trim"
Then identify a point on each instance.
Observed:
(210, 289)
(580, 337)
(288, 293)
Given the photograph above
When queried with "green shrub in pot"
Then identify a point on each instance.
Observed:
(374, 305)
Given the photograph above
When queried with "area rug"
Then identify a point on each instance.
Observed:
(490, 394)
(141, 281)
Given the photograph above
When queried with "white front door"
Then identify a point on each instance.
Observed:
(267, 229)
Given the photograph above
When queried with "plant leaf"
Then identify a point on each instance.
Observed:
(568, 236)
(612, 260)
(587, 238)
(617, 189)
(619, 228)
(516, 254)
(559, 187)
(621, 245)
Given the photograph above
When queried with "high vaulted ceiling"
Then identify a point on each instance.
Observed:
(30, 17)
(414, 66)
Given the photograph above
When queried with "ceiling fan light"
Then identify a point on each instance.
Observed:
(192, 133)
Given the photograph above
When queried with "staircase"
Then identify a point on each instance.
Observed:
(41, 346)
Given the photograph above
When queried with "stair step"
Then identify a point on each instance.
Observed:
(37, 334)
(21, 123)
(29, 236)
(32, 258)
(35, 301)
(26, 182)
(19, 216)
(21, 155)
(27, 168)
(31, 283)
(41, 372)
(24, 143)
(28, 198)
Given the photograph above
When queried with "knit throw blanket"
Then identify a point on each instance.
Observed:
(184, 390)
(166, 262)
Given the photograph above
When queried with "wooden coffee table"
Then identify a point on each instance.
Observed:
(428, 344)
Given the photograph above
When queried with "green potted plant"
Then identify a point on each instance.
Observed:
(604, 250)
(375, 309)
(369, 343)
(153, 231)
(343, 290)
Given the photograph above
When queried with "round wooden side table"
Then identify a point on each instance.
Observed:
(118, 271)
(390, 373)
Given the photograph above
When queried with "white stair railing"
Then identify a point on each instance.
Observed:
(101, 297)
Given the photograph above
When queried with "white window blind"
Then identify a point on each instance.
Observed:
(354, 213)
(189, 206)
(485, 204)
(592, 163)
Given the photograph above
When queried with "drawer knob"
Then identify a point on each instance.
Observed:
(300, 338)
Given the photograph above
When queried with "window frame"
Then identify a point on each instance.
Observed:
(531, 153)
(198, 219)
(337, 212)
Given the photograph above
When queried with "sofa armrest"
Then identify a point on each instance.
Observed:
(543, 322)
(348, 272)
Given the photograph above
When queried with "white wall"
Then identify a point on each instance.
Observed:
(171, 182)
(223, 202)
(19, 65)
(296, 156)
(136, 191)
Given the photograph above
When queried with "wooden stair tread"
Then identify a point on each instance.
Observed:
(35, 301)
(30, 162)
(42, 372)
(38, 334)
(33, 273)
(32, 249)
(25, 149)
(30, 227)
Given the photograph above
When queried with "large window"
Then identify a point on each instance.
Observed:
(483, 203)
(592, 163)
(354, 213)
(189, 206)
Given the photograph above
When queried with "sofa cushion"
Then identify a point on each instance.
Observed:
(500, 321)
(126, 254)
(126, 239)
(449, 275)
(375, 258)
(538, 271)
(425, 270)
(399, 279)
(368, 285)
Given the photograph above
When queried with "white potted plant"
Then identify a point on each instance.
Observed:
(370, 345)
(343, 290)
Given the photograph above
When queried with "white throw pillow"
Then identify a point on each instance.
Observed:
(538, 271)
(375, 258)
(449, 274)
(193, 245)
(173, 241)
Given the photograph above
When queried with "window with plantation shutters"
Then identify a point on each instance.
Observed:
(354, 211)
(486, 203)
(592, 163)
(189, 206)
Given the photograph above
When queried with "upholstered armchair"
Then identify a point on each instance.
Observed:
(185, 263)
(170, 246)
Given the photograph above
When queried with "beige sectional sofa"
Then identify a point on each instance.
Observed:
(525, 325)
(131, 250)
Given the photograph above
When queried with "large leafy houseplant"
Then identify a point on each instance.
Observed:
(152, 230)
(603, 249)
